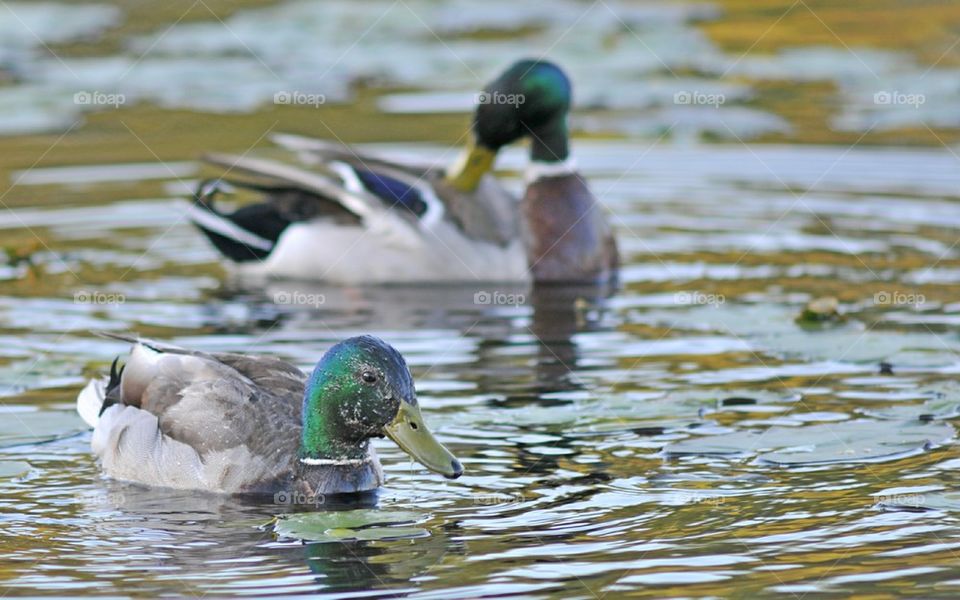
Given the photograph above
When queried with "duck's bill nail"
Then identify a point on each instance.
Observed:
(409, 432)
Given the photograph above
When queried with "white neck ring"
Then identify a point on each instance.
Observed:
(539, 169)
(335, 462)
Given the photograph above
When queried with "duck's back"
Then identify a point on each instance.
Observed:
(218, 422)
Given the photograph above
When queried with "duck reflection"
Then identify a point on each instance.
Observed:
(559, 313)
(239, 542)
(497, 316)
(355, 566)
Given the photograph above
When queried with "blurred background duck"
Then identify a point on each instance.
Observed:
(355, 218)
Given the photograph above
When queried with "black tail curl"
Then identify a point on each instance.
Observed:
(112, 395)
(261, 222)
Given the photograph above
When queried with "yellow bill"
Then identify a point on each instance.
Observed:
(466, 173)
(408, 431)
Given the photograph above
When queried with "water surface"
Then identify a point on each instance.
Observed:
(559, 406)
(582, 415)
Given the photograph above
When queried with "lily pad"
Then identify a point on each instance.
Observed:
(931, 410)
(709, 400)
(350, 525)
(33, 427)
(854, 345)
(757, 401)
(642, 427)
(943, 403)
(772, 329)
(13, 468)
(621, 412)
(683, 403)
(846, 442)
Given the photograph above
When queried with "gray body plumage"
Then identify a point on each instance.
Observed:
(219, 422)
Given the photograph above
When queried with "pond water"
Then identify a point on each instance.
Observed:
(560, 405)
(679, 435)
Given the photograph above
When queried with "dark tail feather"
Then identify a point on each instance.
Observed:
(112, 395)
(247, 234)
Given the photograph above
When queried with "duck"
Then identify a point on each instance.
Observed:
(344, 216)
(242, 424)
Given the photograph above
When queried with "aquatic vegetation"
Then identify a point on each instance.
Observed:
(351, 525)
(847, 442)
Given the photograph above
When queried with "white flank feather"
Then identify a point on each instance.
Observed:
(90, 400)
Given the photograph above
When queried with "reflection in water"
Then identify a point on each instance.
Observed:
(559, 313)
(350, 566)
(165, 522)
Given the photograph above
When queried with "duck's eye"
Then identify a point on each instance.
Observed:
(369, 376)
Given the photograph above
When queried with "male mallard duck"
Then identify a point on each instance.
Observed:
(232, 423)
(361, 219)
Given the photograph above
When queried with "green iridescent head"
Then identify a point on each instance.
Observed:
(530, 99)
(360, 389)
